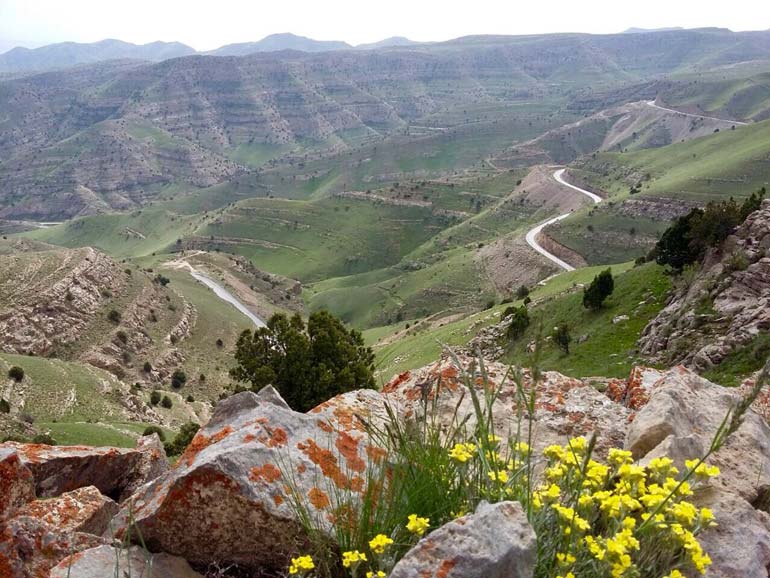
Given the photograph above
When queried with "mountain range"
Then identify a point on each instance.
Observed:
(64, 54)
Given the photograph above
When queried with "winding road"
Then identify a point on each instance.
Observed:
(654, 105)
(535, 231)
(218, 290)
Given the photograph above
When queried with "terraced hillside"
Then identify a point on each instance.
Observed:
(196, 121)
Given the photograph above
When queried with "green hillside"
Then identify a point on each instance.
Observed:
(669, 180)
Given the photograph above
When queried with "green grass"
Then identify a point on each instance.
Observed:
(132, 234)
(712, 168)
(62, 390)
(118, 434)
(728, 163)
(422, 345)
(609, 349)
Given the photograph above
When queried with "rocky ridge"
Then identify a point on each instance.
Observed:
(726, 306)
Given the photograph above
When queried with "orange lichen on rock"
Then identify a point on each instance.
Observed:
(199, 443)
(221, 434)
(318, 498)
(445, 568)
(325, 426)
(393, 384)
(348, 448)
(268, 473)
(375, 453)
(327, 461)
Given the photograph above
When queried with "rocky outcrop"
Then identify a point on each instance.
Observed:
(29, 547)
(17, 486)
(466, 548)
(103, 561)
(725, 308)
(680, 419)
(227, 500)
(565, 406)
(82, 510)
(115, 472)
(50, 297)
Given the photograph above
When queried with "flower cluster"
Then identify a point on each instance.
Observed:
(619, 516)
(353, 559)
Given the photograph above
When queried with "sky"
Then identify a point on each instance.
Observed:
(205, 25)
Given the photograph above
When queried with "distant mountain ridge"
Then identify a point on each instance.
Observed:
(277, 42)
(65, 54)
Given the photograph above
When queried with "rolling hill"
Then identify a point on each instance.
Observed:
(198, 121)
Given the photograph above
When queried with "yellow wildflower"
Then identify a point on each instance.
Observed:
(380, 543)
(619, 457)
(417, 525)
(352, 558)
(703, 470)
(378, 574)
(301, 564)
(500, 477)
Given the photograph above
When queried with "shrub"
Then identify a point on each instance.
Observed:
(182, 439)
(306, 364)
(154, 429)
(43, 438)
(122, 337)
(522, 292)
(190, 399)
(166, 402)
(114, 316)
(147, 368)
(562, 337)
(16, 373)
(161, 280)
(600, 288)
(220, 343)
(519, 322)
(5, 407)
(155, 397)
(178, 379)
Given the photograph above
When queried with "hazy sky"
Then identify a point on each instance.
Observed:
(211, 23)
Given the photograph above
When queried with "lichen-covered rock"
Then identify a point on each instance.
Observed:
(115, 472)
(680, 420)
(102, 562)
(565, 407)
(227, 498)
(494, 542)
(29, 547)
(17, 486)
(82, 510)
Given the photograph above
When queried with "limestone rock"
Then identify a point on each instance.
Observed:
(100, 562)
(739, 546)
(115, 472)
(82, 510)
(680, 420)
(227, 500)
(565, 406)
(29, 547)
(494, 542)
(17, 486)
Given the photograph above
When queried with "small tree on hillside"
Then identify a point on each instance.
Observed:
(519, 322)
(182, 439)
(562, 338)
(178, 379)
(16, 373)
(600, 288)
(307, 364)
